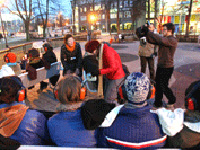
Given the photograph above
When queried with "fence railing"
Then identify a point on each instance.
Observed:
(21, 49)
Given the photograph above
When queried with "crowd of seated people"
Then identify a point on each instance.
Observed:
(96, 123)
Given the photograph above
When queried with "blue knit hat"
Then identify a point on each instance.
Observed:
(137, 86)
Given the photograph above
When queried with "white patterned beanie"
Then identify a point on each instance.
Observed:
(137, 86)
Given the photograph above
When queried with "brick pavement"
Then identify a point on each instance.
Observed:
(186, 71)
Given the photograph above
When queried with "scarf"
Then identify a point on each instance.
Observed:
(10, 118)
(71, 48)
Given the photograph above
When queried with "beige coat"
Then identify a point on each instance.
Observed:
(146, 50)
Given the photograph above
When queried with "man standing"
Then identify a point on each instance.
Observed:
(165, 67)
(147, 53)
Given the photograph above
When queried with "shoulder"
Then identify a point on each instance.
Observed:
(32, 114)
(63, 46)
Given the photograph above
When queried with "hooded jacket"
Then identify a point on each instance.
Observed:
(132, 129)
(31, 124)
(112, 65)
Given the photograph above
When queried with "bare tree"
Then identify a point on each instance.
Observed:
(118, 22)
(24, 9)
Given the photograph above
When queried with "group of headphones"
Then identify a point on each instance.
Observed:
(82, 90)
(21, 94)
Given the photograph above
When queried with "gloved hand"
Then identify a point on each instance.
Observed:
(144, 30)
(77, 71)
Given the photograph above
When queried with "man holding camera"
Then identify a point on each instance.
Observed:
(147, 53)
(167, 46)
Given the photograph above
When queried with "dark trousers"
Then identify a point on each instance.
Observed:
(111, 89)
(150, 60)
(72, 68)
(162, 80)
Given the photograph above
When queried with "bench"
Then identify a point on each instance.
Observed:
(42, 74)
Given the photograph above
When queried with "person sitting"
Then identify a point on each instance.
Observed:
(134, 127)
(182, 126)
(75, 123)
(49, 57)
(11, 68)
(17, 121)
(35, 62)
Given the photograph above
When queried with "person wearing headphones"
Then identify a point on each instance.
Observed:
(76, 121)
(17, 121)
(133, 126)
(183, 125)
(48, 58)
(11, 68)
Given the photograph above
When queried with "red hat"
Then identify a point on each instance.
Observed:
(10, 58)
(91, 46)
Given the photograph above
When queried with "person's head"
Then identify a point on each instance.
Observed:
(10, 58)
(91, 46)
(69, 89)
(94, 111)
(47, 47)
(151, 27)
(192, 97)
(137, 86)
(33, 55)
(8, 90)
(168, 29)
(68, 39)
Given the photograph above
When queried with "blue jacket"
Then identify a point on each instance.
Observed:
(32, 129)
(67, 130)
(132, 129)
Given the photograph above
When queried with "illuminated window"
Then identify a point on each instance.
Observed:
(127, 14)
(91, 8)
(85, 9)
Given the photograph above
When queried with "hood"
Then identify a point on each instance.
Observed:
(10, 118)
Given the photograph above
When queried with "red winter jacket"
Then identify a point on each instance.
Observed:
(112, 65)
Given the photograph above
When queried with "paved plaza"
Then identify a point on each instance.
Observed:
(187, 70)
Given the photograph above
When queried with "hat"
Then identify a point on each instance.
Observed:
(137, 86)
(91, 46)
(48, 47)
(6, 71)
(94, 111)
(10, 58)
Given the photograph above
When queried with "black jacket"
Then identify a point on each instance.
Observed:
(74, 57)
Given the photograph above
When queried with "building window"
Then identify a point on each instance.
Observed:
(81, 9)
(120, 4)
(125, 3)
(97, 6)
(83, 18)
(85, 9)
(127, 14)
(115, 4)
(99, 17)
(113, 16)
(120, 14)
(131, 3)
(91, 8)
(103, 16)
(103, 6)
